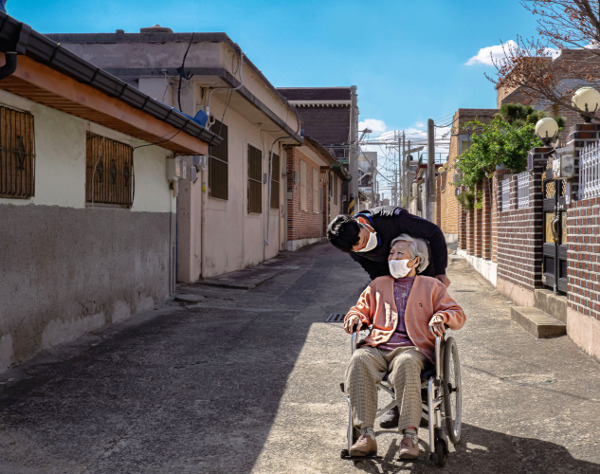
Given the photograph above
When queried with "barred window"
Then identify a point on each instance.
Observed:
(109, 173)
(17, 171)
(315, 190)
(335, 189)
(303, 188)
(218, 164)
(254, 180)
(275, 182)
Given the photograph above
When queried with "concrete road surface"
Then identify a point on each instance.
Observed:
(235, 380)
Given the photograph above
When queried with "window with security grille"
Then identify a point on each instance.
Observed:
(335, 190)
(218, 164)
(254, 180)
(315, 190)
(275, 182)
(17, 155)
(109, 171)
(303, 187)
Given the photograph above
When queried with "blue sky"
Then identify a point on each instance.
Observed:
(408, 58)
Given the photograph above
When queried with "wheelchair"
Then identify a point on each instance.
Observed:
(441, 394)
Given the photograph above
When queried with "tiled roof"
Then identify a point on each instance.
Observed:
(317, 94)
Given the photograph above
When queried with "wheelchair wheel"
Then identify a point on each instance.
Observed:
(452, 390)
(441, 452)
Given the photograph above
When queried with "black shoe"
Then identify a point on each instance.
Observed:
(390, 419)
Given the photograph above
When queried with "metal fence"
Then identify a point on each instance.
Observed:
(505, 203)
(589, 171)
(523, 190)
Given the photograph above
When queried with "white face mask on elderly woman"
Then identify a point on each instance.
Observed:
(399, 268)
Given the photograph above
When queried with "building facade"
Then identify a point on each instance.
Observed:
(326, 115)
(234, 214)
(86, 199)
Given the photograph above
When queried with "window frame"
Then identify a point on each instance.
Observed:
(315, 190)
(303, 186)
(254, 203)
(106, 164)
(275, 181)
(218, 157)
(17, 153)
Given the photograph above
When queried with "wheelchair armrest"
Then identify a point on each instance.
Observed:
(355, 336)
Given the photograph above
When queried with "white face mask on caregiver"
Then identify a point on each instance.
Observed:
(371, 243)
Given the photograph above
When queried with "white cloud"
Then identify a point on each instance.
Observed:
(496, 54)
(489, 54)
(376, 126)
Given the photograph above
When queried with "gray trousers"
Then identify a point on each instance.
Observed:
(367, 367)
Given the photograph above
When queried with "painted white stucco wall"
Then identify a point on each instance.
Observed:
(86, 266)
(234, 238)
(60, 147)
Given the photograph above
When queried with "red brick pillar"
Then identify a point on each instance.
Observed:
(462, 228)
(470, 229)
(477, 218)
(496, 198)
(486, 220)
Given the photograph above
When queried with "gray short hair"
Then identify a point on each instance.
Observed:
(416, 248)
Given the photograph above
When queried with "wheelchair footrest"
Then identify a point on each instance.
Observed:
(346, 455)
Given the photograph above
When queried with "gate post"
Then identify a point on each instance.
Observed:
(537, 162)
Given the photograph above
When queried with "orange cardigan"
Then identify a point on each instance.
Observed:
(428, 296)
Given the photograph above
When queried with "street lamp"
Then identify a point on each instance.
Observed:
(586, 100)
(546, 129)
(364, 132)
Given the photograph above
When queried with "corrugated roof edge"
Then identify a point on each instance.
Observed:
(20, 37)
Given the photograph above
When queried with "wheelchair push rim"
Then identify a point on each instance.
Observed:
(452, 390)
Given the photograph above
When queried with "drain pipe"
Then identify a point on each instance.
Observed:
(10, 65)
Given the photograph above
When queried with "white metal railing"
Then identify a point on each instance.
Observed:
(505, 203)
(589, 171)
(523, 190)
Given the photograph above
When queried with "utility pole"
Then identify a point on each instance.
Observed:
(353, 158)
(403, 194)
(430, 170)
(374, 181)
(395, 189)
(407, 174)
(398, 175)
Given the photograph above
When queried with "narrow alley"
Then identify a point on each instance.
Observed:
(236, 380)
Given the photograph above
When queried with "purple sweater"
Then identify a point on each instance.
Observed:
(402, 287)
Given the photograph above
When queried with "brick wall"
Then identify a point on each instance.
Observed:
(330, 126)
(583, 237)
(302, 224)
(583, 224)
(520, 233)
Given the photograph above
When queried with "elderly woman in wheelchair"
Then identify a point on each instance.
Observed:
(406, 312)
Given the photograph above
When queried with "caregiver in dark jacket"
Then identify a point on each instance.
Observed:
(367, 236)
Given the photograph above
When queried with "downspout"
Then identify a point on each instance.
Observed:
(10, 65)
(204, 198)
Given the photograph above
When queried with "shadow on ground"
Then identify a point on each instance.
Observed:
(192, 389)
(485, 451)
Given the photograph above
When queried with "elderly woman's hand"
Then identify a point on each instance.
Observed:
(352, 324)
(436, 325)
